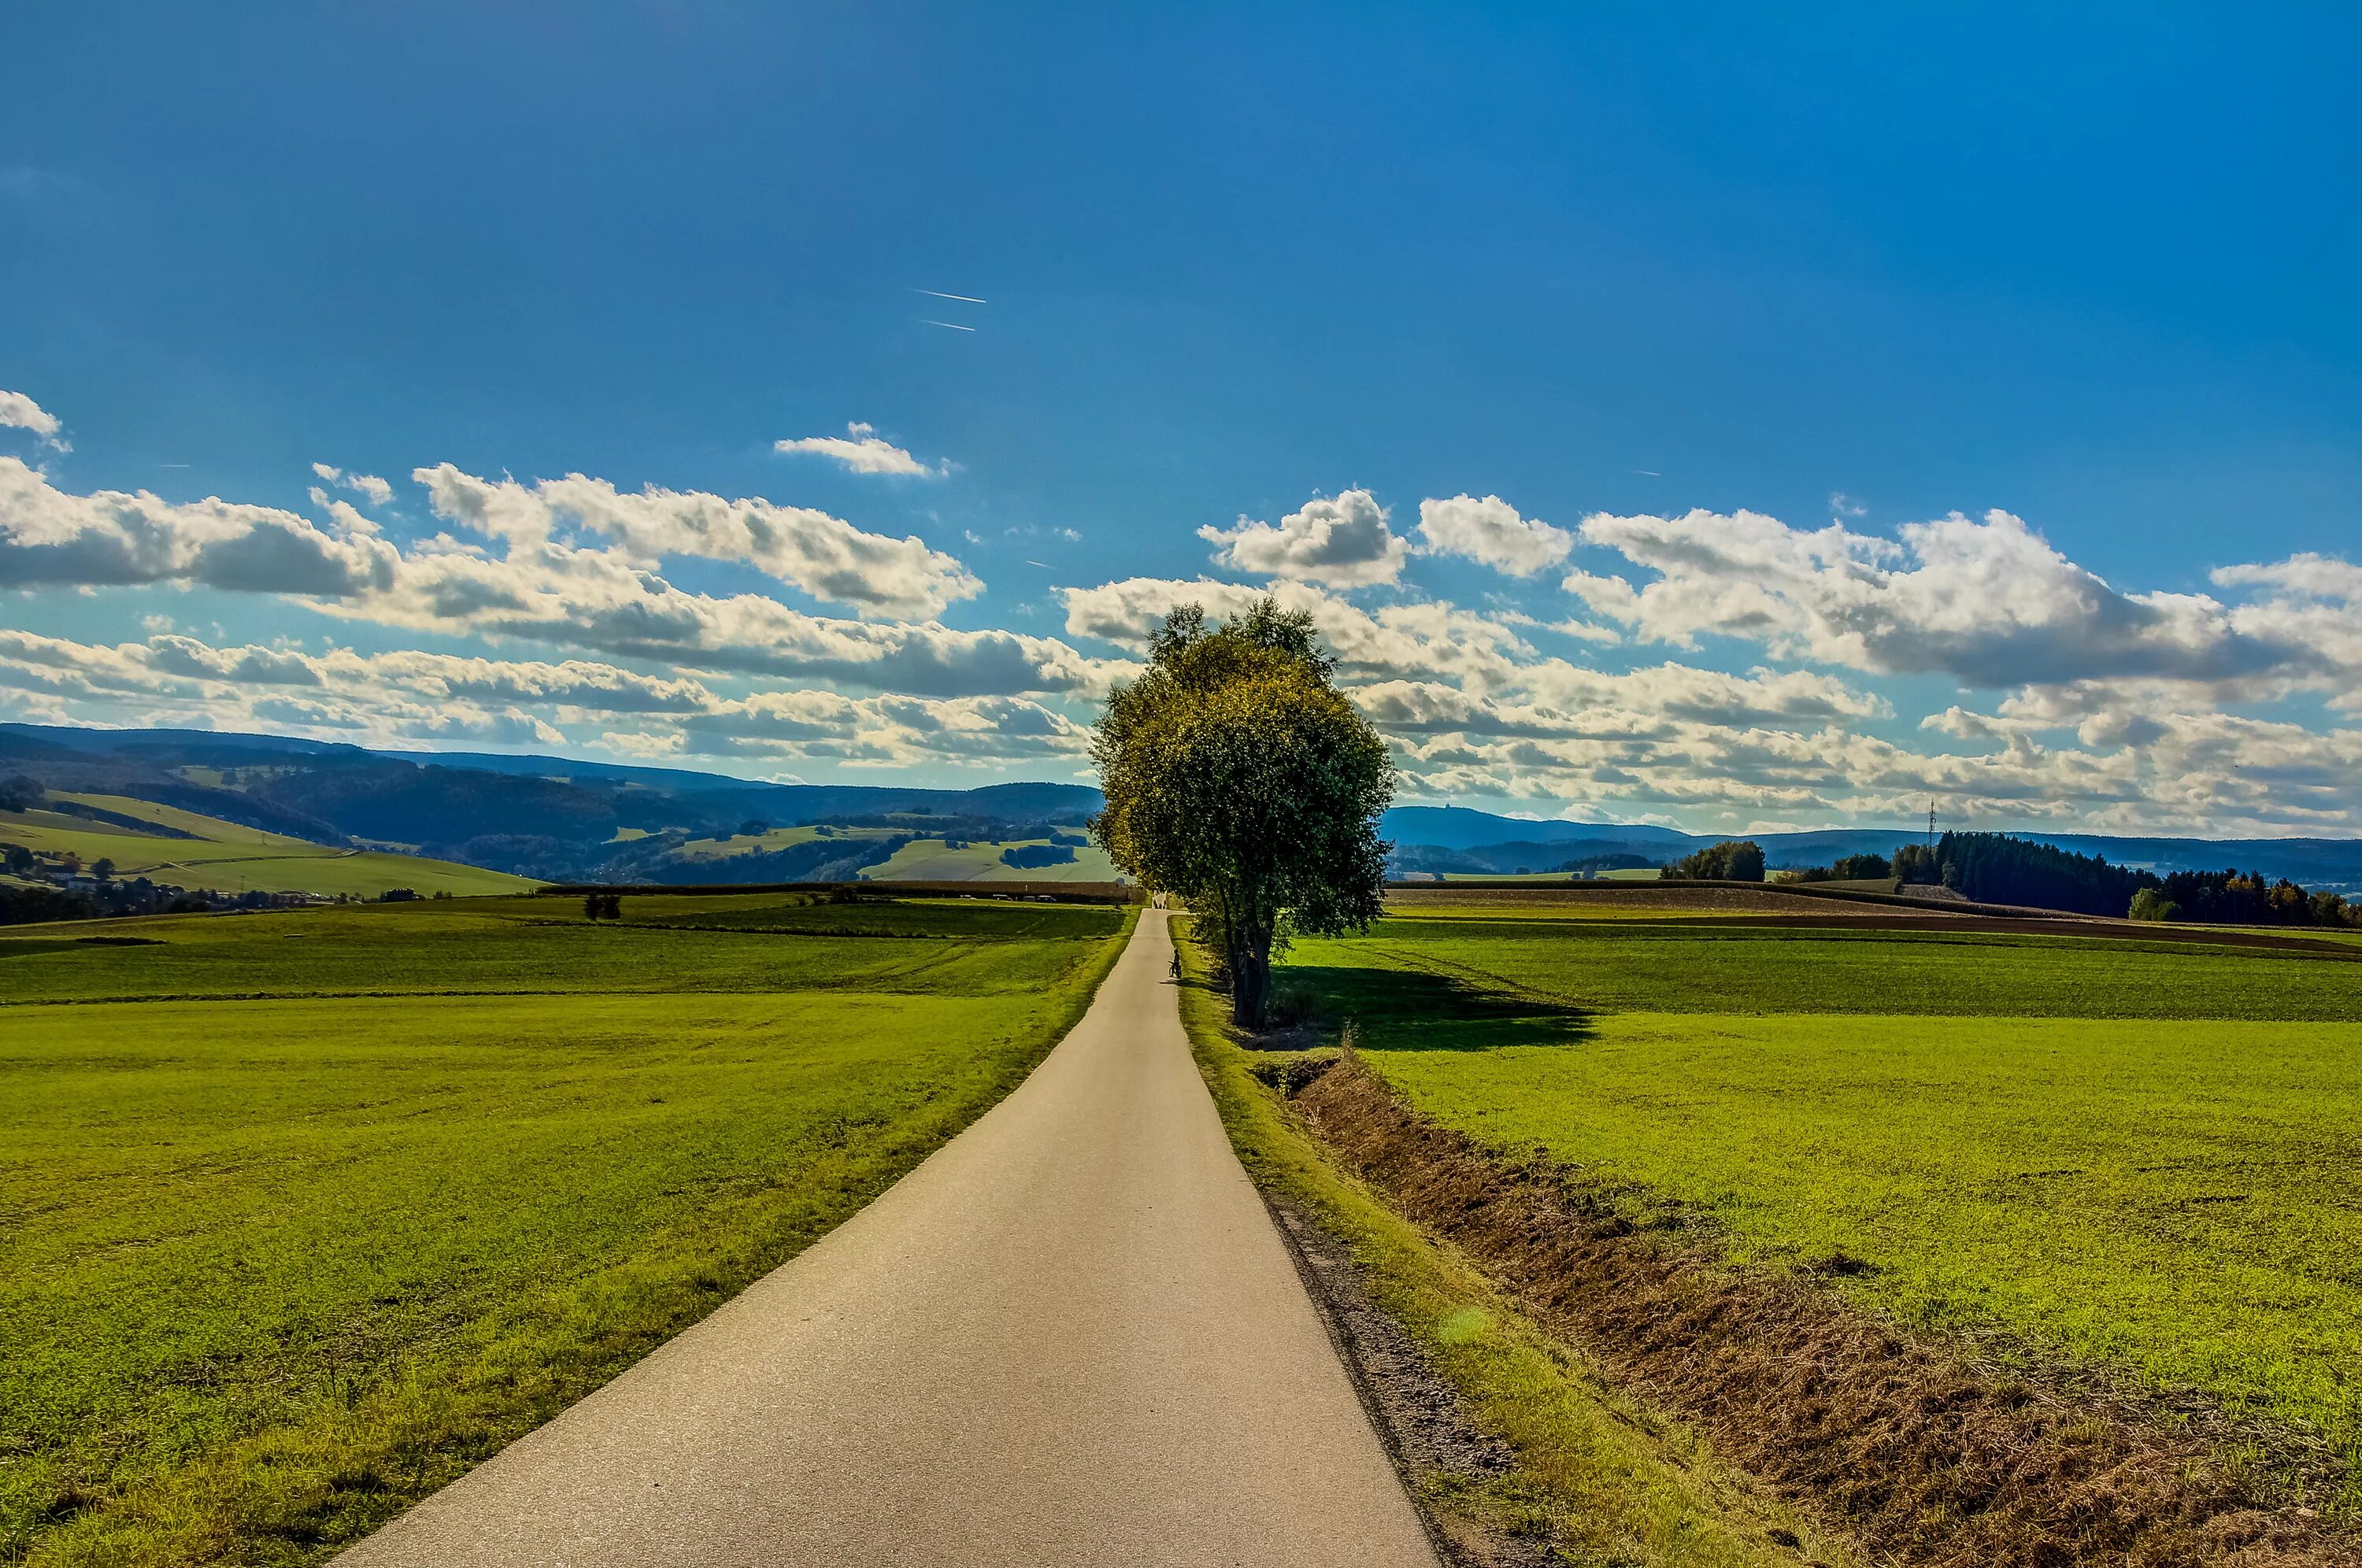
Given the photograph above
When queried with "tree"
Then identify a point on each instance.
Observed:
(1732, 860)
(1238, 776)
(2150, 903)
(612, 905)
(1915, 862)
(104, 869)
(594, 907)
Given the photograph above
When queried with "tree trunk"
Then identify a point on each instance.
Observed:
(1250, 984)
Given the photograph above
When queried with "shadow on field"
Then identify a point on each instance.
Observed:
(1407, 1010)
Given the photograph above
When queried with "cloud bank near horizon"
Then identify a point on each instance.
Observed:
(1708, 670)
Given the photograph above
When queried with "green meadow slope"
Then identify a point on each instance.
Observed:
(2140, 1159)
(306, 1212)
(205, 852)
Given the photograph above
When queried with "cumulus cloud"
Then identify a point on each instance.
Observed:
(1410, 640)
(379, 493)
(1344, 542)
(824, 556)
(1490, 531)
(2112, 712)
(890, 731)
(47, 537)
(18, 412)
(1989, 601)
(864, 451)
(415, 695)
(604, 601)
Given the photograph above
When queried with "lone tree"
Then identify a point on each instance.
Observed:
(1240, 777)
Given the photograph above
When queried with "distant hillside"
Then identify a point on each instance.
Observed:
(547, 818)
(560, 819)
(1455, 840)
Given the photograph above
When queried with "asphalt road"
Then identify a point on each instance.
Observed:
(1072, 1336)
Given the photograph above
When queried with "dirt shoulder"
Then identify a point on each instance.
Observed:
(1914, 1455)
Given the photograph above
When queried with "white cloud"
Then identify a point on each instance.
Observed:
(1988, 601)
(378, 491)
(1410, 640)
(1490, 531)
(21, 412)
(412, 695)
(1344, 542)
(823, 555)
(604, 601)
(47, 537)
(864, 451)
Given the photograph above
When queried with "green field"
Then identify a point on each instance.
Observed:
(2145, 1159)
(387, 1186)
(225, 857)
(920, 860)
(933, 860)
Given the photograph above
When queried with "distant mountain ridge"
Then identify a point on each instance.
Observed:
(564, 817)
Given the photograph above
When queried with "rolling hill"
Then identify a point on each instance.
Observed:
(558, 819)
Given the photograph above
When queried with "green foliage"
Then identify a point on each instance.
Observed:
(300, 1261)
(1732, 860)
(2101, 1153)
(1998, 868)
(1238, 776)
(2151, 904)
(2227, 898)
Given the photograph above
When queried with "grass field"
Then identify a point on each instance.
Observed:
(386, 1187)
(1596, 1477)
(921, 859)
(933, 860)
(2124, 1157)
(764, 843)
(226, 857)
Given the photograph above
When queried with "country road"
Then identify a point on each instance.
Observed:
(1072, 1336)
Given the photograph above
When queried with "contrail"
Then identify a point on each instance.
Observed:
(954, 325)
(1650, 472)
(963, 299)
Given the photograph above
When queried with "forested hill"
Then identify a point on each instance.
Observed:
(563, 819)
(541, 817)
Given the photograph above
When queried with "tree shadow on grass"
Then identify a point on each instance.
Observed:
(1409, 1010)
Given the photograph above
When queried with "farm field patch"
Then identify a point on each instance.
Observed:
(273, 1263)
(543, 945)
(1699, 964)
(935, 860)
(2077, 1152)
(227, 857)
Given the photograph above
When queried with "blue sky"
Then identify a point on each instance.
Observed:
(1681, 293)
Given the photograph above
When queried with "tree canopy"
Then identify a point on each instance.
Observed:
(1238, 776)
(1732, 860)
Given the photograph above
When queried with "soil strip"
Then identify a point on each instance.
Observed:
(1921, 1457)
